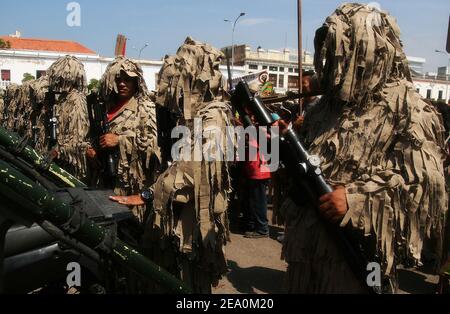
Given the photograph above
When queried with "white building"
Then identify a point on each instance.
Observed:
(34, 56)
(416, 64)
(433, 87)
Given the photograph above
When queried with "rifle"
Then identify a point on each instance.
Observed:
(34, 130)
(99, 127)
(304, 164)
(52, 120)
(289, 96)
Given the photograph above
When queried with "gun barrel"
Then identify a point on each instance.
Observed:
(314, 172)
(10, 141)
(32, 200)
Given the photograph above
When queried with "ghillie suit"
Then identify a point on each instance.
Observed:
(377, 138)
(11, 100)
(138, 152)
(189, 226)
(23, 110)
(67, 82)
(2, 105)
(36, 124)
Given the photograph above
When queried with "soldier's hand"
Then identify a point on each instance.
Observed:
(333, 206)
(54, 154)
(299, 123)
(109, 140)
(91, 153)
(133, 200)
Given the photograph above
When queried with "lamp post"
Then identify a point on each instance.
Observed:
(232, 39)
(140, 51)
(446, 72)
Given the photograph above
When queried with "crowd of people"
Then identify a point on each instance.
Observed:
(382, 150)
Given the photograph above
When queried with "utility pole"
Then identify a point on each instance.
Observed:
(300, 51)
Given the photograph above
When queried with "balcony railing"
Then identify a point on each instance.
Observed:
(4, 84)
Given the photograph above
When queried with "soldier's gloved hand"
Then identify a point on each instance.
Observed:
(109, 140)
(133, 200)
(333, 206)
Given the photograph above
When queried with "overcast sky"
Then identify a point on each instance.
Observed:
(164, 24)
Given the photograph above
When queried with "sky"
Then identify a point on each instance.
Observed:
(164, 24)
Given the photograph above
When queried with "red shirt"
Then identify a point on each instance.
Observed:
(111, 114)
(257, 169)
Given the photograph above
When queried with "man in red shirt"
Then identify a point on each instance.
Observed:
(258, 174)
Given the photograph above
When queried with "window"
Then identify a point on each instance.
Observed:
(40, 73)
(440, 94)
(281, 81)
(281, 69)
(273, 79)
(6, 75)
(253, 66)
(428, 93)
(296, 70)
(418, 90)
(292, 81)
(264, 67)
(274, 69)
(291, 70)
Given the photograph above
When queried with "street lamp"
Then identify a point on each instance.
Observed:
(140, 51)
(232, 39)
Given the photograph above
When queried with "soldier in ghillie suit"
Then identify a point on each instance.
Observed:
(132, 136)
(67, 88)
(37, 122)
(23, 109)
(2, 105)
(188, 228)
(10, 99)
(382, 149)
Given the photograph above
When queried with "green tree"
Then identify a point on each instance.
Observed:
(27, 77)
(93, 85)
(4, 44)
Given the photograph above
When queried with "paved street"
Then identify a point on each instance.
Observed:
(256, 268)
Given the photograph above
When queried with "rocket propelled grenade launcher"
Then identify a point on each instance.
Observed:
(307, 167)
(245, 103)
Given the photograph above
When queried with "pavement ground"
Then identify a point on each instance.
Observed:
(255, 267)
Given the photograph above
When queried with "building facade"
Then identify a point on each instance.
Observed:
(282, 66)
(34, 56)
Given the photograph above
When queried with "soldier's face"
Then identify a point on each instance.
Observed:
(127, 86)
(306, 82)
